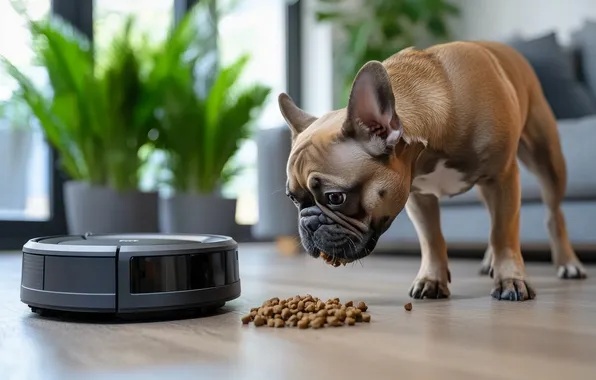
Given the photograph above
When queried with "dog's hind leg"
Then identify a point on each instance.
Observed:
(540, 151)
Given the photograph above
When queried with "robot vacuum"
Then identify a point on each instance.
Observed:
(129, 275)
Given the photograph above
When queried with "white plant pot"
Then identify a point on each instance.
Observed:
(101, 210)
(198, 214)
(15, 153)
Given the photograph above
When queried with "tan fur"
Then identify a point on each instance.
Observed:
(469, 104)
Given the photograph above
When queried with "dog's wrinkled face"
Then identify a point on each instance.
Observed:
(345, 174)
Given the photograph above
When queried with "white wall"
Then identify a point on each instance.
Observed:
(502, 19)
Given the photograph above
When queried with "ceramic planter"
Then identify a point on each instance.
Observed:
(101, 210)
(198, 214)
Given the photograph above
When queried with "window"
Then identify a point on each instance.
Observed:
(256, 27)
(31, 200)
(152, 17)
(24, 156)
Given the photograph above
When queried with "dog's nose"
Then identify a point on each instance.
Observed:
(310, 211)
(313, 218)
(312, 223)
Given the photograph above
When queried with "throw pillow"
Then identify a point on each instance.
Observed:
(568, 98)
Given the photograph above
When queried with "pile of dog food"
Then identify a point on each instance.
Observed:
(307, 312)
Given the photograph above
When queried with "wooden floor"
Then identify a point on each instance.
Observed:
(469, 336)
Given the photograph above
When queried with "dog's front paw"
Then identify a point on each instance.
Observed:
(572, 271)
(513, 290)
(431, 286)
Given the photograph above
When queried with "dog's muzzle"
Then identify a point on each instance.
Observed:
(320, 233)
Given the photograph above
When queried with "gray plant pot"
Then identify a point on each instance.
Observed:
(102, 210)
(197, 214)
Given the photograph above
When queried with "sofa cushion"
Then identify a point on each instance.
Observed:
(578, 141)
(567, 96)
(585, 41)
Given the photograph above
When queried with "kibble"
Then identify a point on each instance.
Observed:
(408, 306)
(307, 312)
(246, 319)
(259, 321)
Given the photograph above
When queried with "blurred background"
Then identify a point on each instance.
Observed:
(161, 115)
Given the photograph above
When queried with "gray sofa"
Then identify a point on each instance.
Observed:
(571, 91)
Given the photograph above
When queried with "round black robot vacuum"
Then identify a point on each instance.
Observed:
(129, 275)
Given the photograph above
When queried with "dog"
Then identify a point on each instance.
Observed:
(421, 125)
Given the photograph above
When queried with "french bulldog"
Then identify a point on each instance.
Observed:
(421, 125)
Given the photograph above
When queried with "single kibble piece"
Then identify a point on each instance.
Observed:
(331, 320)
(279, 323)
(341, 315)
(350, 321)
(317, 323)
(300, 305)
(365, 317)
(246, 319)
(268, 311)
(349, 303)
(303, 324)
(350, 313)
(408, 306)
(362, 306)
(293, 318)
(322, 313)
(271, 322)
(310, 308)
(286, 313)
(277, 309)
(299, 315)
(259, 321)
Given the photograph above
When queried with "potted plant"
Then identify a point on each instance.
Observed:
(97, 117)
(16, 140)
(206, 115)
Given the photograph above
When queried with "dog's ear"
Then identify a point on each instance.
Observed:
(371, 116)
(297, 119)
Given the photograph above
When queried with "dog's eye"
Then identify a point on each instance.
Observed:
(336, 199)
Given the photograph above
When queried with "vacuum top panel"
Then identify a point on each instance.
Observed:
(102, 245)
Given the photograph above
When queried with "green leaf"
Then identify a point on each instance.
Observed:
(328, 16)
